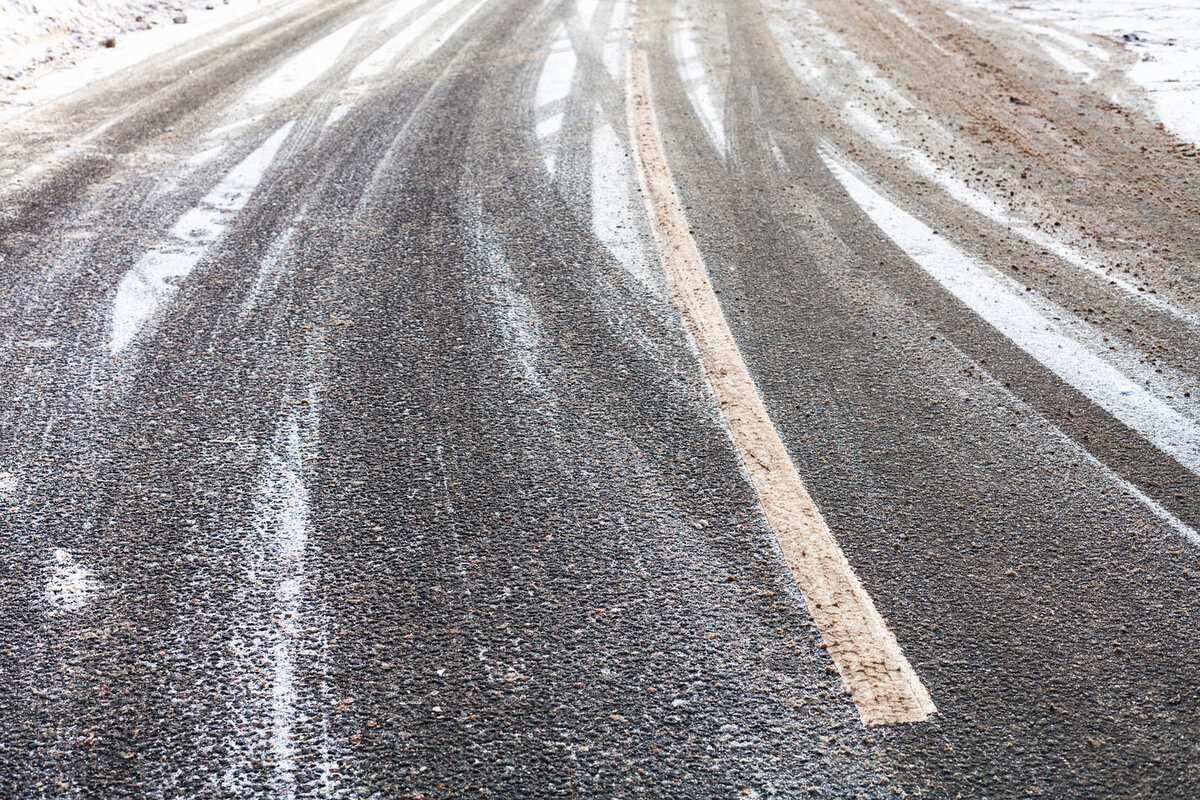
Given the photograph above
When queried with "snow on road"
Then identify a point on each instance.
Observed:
(70, 584)
(550, 100)
(1164, 35)
(1006, 307)
(40, 40)
(156, 277)
(303, 68)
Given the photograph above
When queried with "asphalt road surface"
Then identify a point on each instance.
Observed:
(355, 440)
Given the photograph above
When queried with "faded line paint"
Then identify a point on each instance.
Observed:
(1002, 306)
(156, 277)
(883, 684)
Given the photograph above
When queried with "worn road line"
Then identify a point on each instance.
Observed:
(883, 684)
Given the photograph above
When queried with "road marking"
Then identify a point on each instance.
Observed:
(1003, 306)
(883, 684)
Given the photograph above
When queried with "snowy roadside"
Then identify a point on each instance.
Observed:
(50, 47)
(1164, 34)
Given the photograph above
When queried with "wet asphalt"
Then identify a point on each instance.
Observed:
(447, 510)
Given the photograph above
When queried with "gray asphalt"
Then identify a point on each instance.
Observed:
(436, 503)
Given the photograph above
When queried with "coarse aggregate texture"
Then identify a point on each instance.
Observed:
(413, 486)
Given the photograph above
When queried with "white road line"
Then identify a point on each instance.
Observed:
(1002, 305)
(157, 275)
(883, 684)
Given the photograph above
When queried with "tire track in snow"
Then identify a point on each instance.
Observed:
(279, 624)
(550, 97)
(871, 126)
(1004, 307)
(299, 71)
(284, 82)
(694, 69)
(158, 274)
(418, 39)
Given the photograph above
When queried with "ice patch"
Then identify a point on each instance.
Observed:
(156, 277)
(70, 584)
(8, 485)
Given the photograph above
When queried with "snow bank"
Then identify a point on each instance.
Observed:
(39, 34)
(1164, 33)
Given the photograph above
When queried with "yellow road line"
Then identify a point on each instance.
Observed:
(883, 684)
